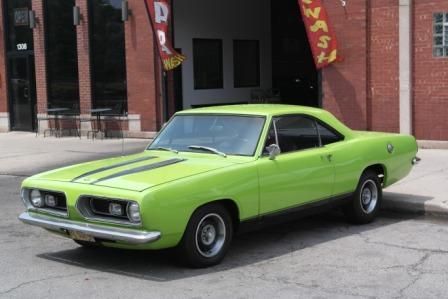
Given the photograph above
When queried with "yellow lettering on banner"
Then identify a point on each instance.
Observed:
(330, 58)
(323, 41)
(312, 13)
(307, 1)
(173, 62)
(319, 25)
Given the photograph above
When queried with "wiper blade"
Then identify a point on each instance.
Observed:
(208, 149)
(161, 148)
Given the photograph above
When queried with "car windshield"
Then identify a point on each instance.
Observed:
(215, 134)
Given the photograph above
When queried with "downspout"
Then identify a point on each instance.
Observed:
(369, 91)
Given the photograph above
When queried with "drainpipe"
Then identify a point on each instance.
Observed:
(405, 67)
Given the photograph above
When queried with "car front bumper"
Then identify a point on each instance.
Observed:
(103, 232)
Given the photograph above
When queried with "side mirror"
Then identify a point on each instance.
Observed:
(274, 151)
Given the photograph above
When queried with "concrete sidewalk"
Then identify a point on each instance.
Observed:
(425, 190)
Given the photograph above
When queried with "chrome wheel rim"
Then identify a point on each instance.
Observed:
(210, 235)
(369, 196)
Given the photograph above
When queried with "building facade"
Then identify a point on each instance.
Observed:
(85, 54)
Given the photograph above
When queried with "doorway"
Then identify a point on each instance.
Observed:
(294, 74)
(20, 65)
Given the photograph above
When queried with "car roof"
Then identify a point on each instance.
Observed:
(256, 109)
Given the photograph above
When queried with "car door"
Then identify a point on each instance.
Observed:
(301, 173)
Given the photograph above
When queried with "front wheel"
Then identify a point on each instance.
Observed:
(207, 237)
(366, 200)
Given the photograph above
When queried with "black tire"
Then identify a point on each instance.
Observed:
(207, 237)
(362, 209)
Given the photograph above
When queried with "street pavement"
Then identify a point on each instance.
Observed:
(401, 255)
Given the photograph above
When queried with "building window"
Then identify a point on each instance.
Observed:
(62, 55)
(440, 34)
(246, 63)
(207, 60)
(108, 55)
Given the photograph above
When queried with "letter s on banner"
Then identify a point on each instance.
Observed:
(321, 35)
(159, 16)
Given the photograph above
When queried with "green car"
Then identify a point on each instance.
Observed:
(212, 172)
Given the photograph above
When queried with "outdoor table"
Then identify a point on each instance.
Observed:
(97, 112)
(56, 112)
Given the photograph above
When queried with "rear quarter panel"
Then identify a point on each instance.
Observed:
(353, 156)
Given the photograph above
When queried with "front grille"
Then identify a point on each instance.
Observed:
(98, 208)
(61, 201)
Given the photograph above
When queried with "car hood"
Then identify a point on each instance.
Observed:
(138, 172)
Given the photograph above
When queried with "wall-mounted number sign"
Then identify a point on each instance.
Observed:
(21, 17)
(22, 47)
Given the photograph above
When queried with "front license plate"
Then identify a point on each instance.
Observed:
(81, 236)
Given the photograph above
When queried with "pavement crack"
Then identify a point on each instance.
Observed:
(26, 283)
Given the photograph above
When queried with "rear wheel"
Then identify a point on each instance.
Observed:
(207, 237)
(366, 200)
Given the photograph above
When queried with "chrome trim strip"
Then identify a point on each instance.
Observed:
(112, 167)
(139, 169)
(97, 231)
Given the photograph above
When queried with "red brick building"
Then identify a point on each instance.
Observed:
(84, 54)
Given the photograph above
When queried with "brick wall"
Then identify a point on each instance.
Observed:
(85, 87)
(384, 66)
(344, 83)
(39, 54)
(430, 75)
(141, 71)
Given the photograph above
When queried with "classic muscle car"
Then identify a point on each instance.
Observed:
(212, 172)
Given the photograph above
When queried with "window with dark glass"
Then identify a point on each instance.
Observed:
(246, 63)
(328, 135)
(440, 34)
(296, 133)
(62, 55)
(207, 60)
(108, 55)
(20, 36)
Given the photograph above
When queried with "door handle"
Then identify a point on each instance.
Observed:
(26, 93)
(329, 157)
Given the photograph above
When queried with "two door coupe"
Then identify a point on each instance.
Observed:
(212, 172)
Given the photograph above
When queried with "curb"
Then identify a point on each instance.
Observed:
(406, 205)
(432, 144)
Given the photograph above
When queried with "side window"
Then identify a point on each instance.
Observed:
(327, 135)
(296, 133)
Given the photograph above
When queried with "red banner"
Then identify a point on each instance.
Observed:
(159, 13)
(320, 34)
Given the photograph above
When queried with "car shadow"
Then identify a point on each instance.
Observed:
(250, 248)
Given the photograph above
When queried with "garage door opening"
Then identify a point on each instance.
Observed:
(253, 51)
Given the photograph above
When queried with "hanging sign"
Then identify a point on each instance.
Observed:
(159, 13)
(321, 35)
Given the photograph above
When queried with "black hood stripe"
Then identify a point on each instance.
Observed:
(112, 167)
(140, 169)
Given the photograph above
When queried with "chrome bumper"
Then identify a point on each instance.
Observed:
(94, 230)
(416, 160)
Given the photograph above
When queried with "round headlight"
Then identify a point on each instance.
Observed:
(36, 199)
(134, 212)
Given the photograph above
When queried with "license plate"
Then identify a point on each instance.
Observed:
(81, 236)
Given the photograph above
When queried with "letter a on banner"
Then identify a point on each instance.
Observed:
(321, 35)
(159, 15)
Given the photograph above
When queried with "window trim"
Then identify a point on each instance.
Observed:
(258, 70)
(221, 64)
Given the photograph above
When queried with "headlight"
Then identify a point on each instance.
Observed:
(134, 212)
(36, 199)
(51, 200)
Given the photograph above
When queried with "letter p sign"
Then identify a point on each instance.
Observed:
(161, 10)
